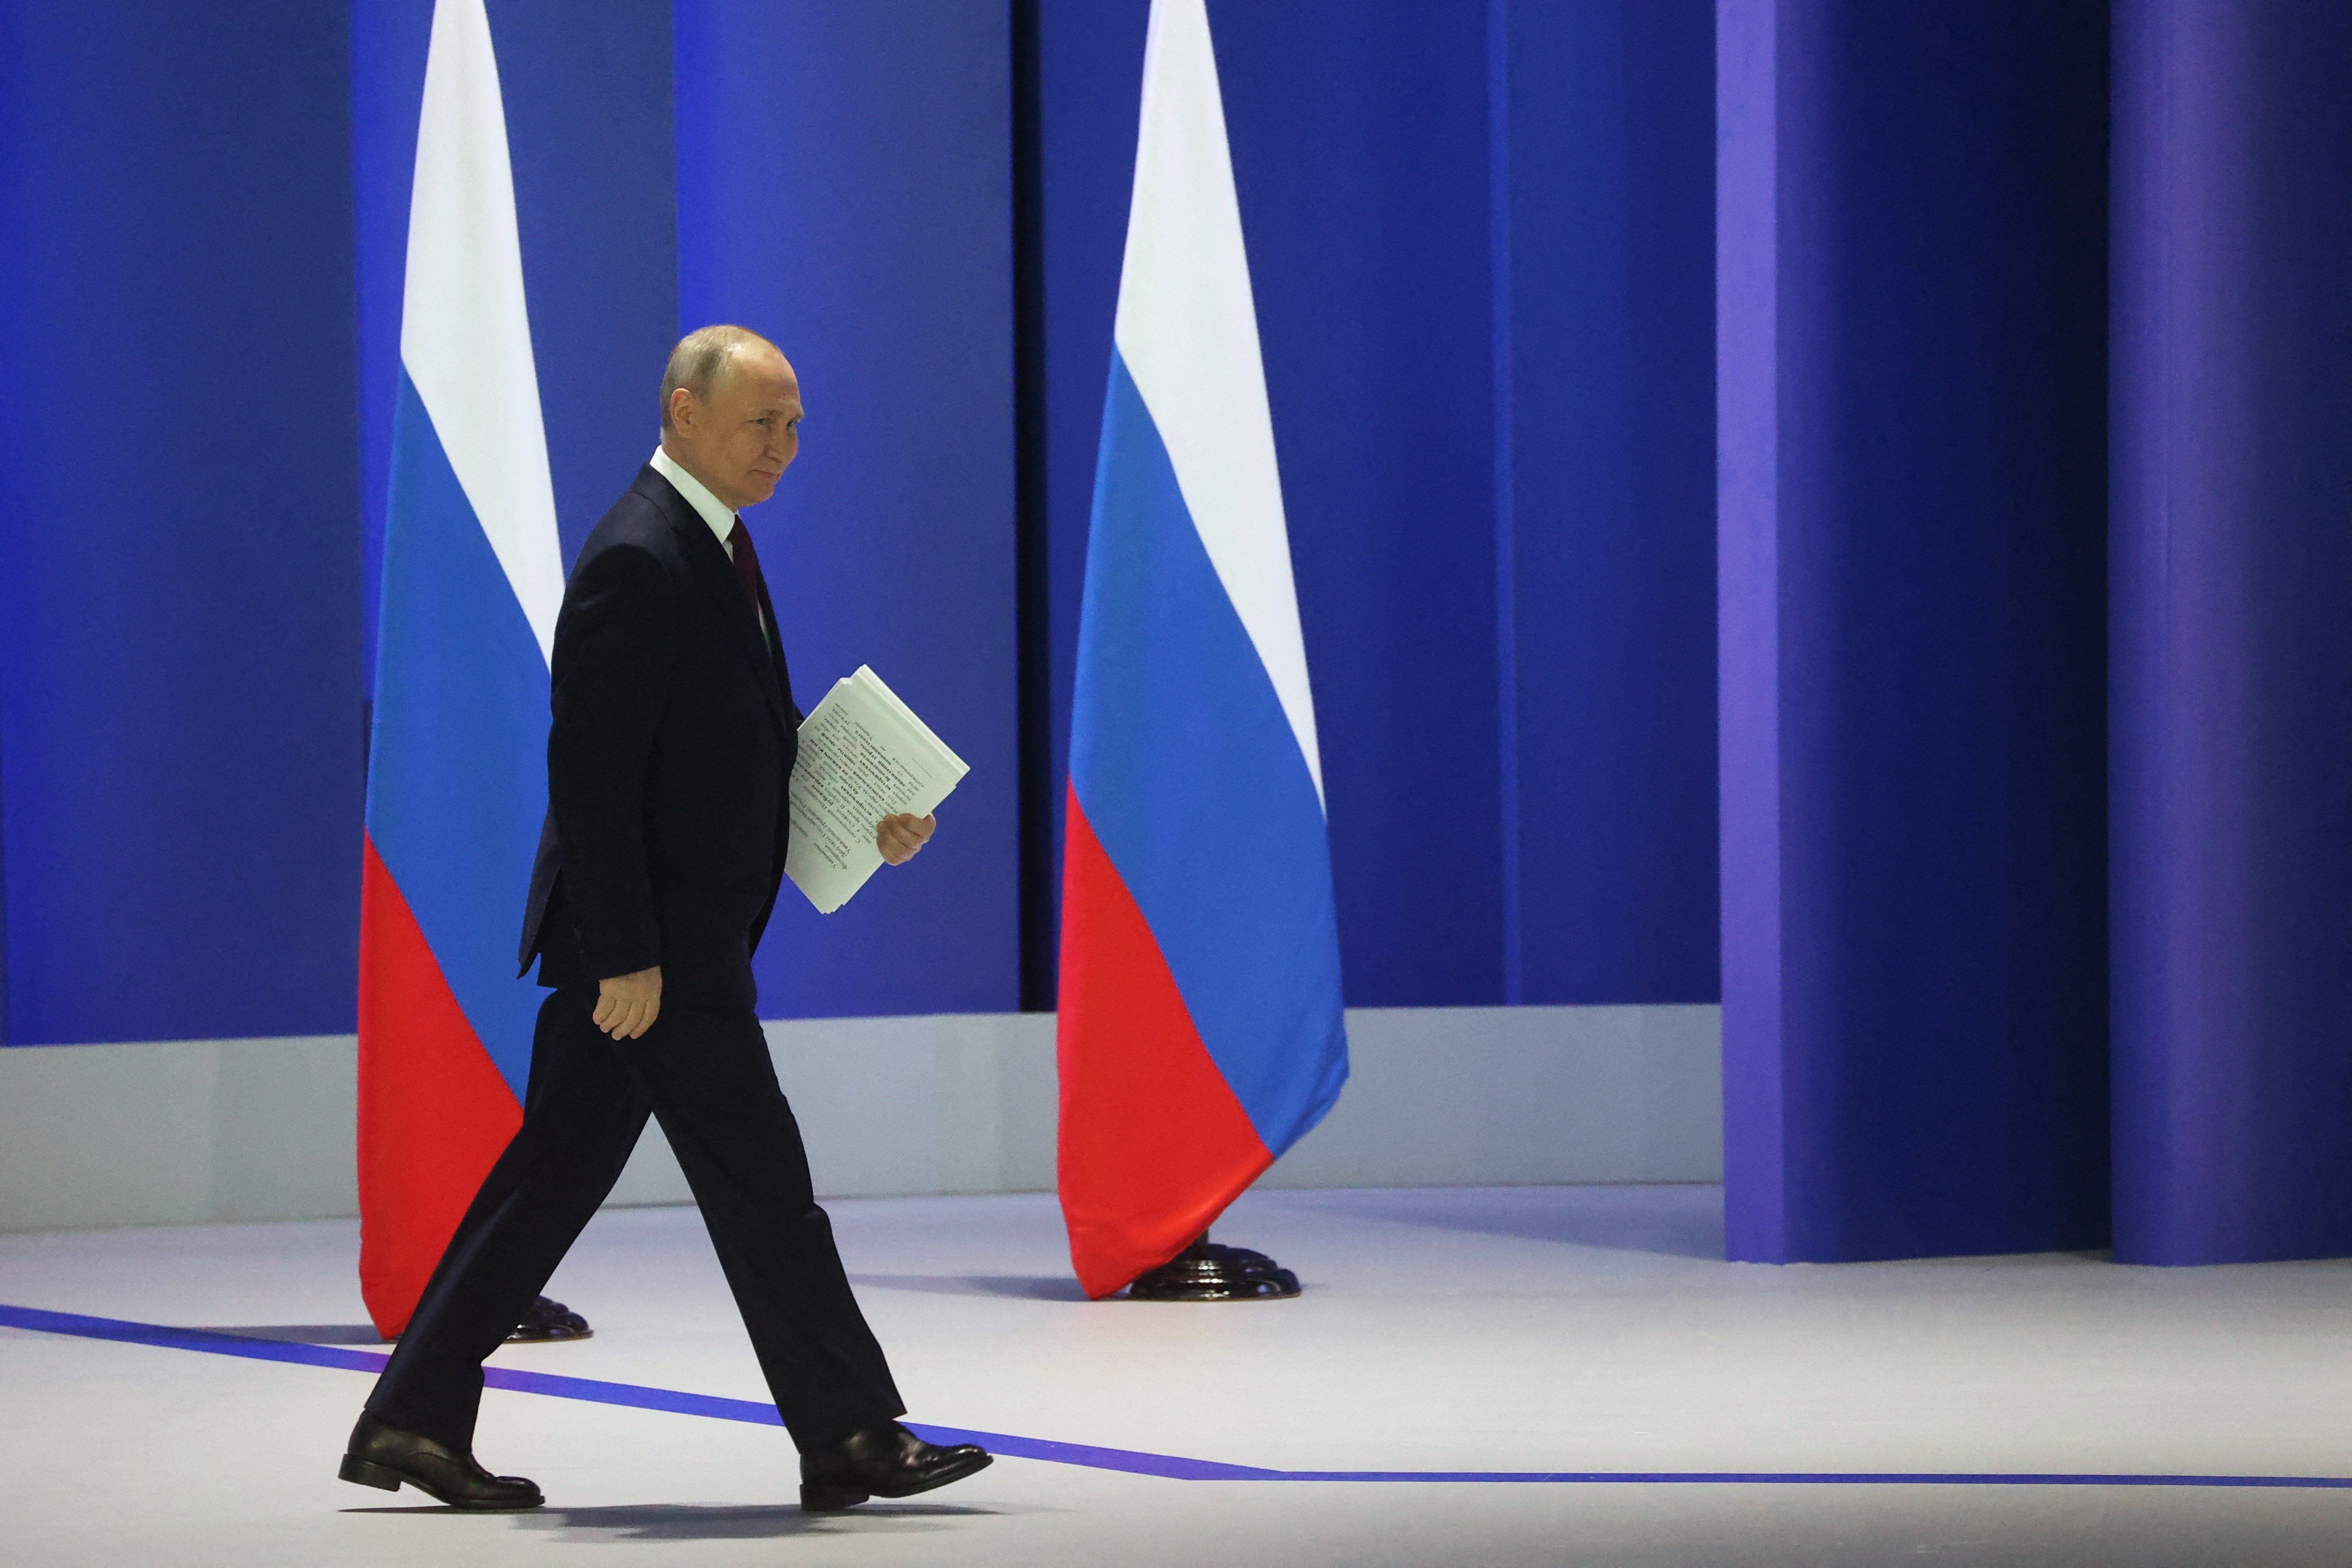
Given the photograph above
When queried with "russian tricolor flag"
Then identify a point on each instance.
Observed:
(473, 576)
(1201, 1032)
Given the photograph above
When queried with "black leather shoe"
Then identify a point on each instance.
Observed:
(550, 1322)
(382, 1455)
(882, 1461)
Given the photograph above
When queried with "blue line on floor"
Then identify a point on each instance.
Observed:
(759, 1412)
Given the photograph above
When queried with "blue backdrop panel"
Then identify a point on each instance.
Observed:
(2232, 588)
(4, 873)
(1607, 306)
(844, 186)
(588, 134)
(179, 660)
(1359, 141)
(1913, 382)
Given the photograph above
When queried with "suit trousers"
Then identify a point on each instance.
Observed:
(706, 1075)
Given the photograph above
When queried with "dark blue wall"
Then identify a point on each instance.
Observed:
(1087, 83)
(1367, 232)
(1361, 141)
(846, 187)
(1913, 374)
(1608, 324)
(179, 642)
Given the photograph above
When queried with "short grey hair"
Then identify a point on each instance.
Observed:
(701, 361)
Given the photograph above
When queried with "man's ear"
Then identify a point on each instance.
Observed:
(681, 407)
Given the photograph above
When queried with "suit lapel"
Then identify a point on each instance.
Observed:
(716, 574)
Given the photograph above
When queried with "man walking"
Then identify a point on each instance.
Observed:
(674, 735)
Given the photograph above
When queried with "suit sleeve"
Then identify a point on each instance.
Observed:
(613, 667)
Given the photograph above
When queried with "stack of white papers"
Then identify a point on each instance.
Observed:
(863, 756)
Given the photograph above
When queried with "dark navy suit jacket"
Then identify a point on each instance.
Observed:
(674, 734)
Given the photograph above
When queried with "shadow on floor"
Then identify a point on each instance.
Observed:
(1027, 1288)
(1670, 1221)
(691, 1521)
(755, 1521)
(305, 1334)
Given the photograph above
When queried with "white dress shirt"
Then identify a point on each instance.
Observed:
(709, 507)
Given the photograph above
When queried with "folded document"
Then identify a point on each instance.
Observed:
(863, 756)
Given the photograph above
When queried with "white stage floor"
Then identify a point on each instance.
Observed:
(1555, 1333)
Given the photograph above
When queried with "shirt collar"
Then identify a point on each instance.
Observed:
(698, 495)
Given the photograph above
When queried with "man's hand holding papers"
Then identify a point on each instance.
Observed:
(899, 837)
(869, 777)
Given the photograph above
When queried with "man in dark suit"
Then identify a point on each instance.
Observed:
(674, 735)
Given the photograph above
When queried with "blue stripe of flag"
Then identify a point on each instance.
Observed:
(457, 774)
(1193, 781)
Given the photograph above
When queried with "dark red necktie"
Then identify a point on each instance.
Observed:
(747, 569)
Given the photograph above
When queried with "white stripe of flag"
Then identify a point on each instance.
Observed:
(465, 335)
(1187, 328)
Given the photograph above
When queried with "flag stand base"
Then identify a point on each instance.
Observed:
(1206, 1271)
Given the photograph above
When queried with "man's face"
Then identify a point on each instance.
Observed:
(741, 439)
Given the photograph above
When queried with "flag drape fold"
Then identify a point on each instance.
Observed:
(1201, 1031)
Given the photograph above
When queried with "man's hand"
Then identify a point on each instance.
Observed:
(627, 1005)
(899, 837)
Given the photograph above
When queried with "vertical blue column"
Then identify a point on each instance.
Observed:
(2233, 597)
(1911, 382)
(1756, 1191)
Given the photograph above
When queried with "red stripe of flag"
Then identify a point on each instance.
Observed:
(433, 1115)
(1153, 1143)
